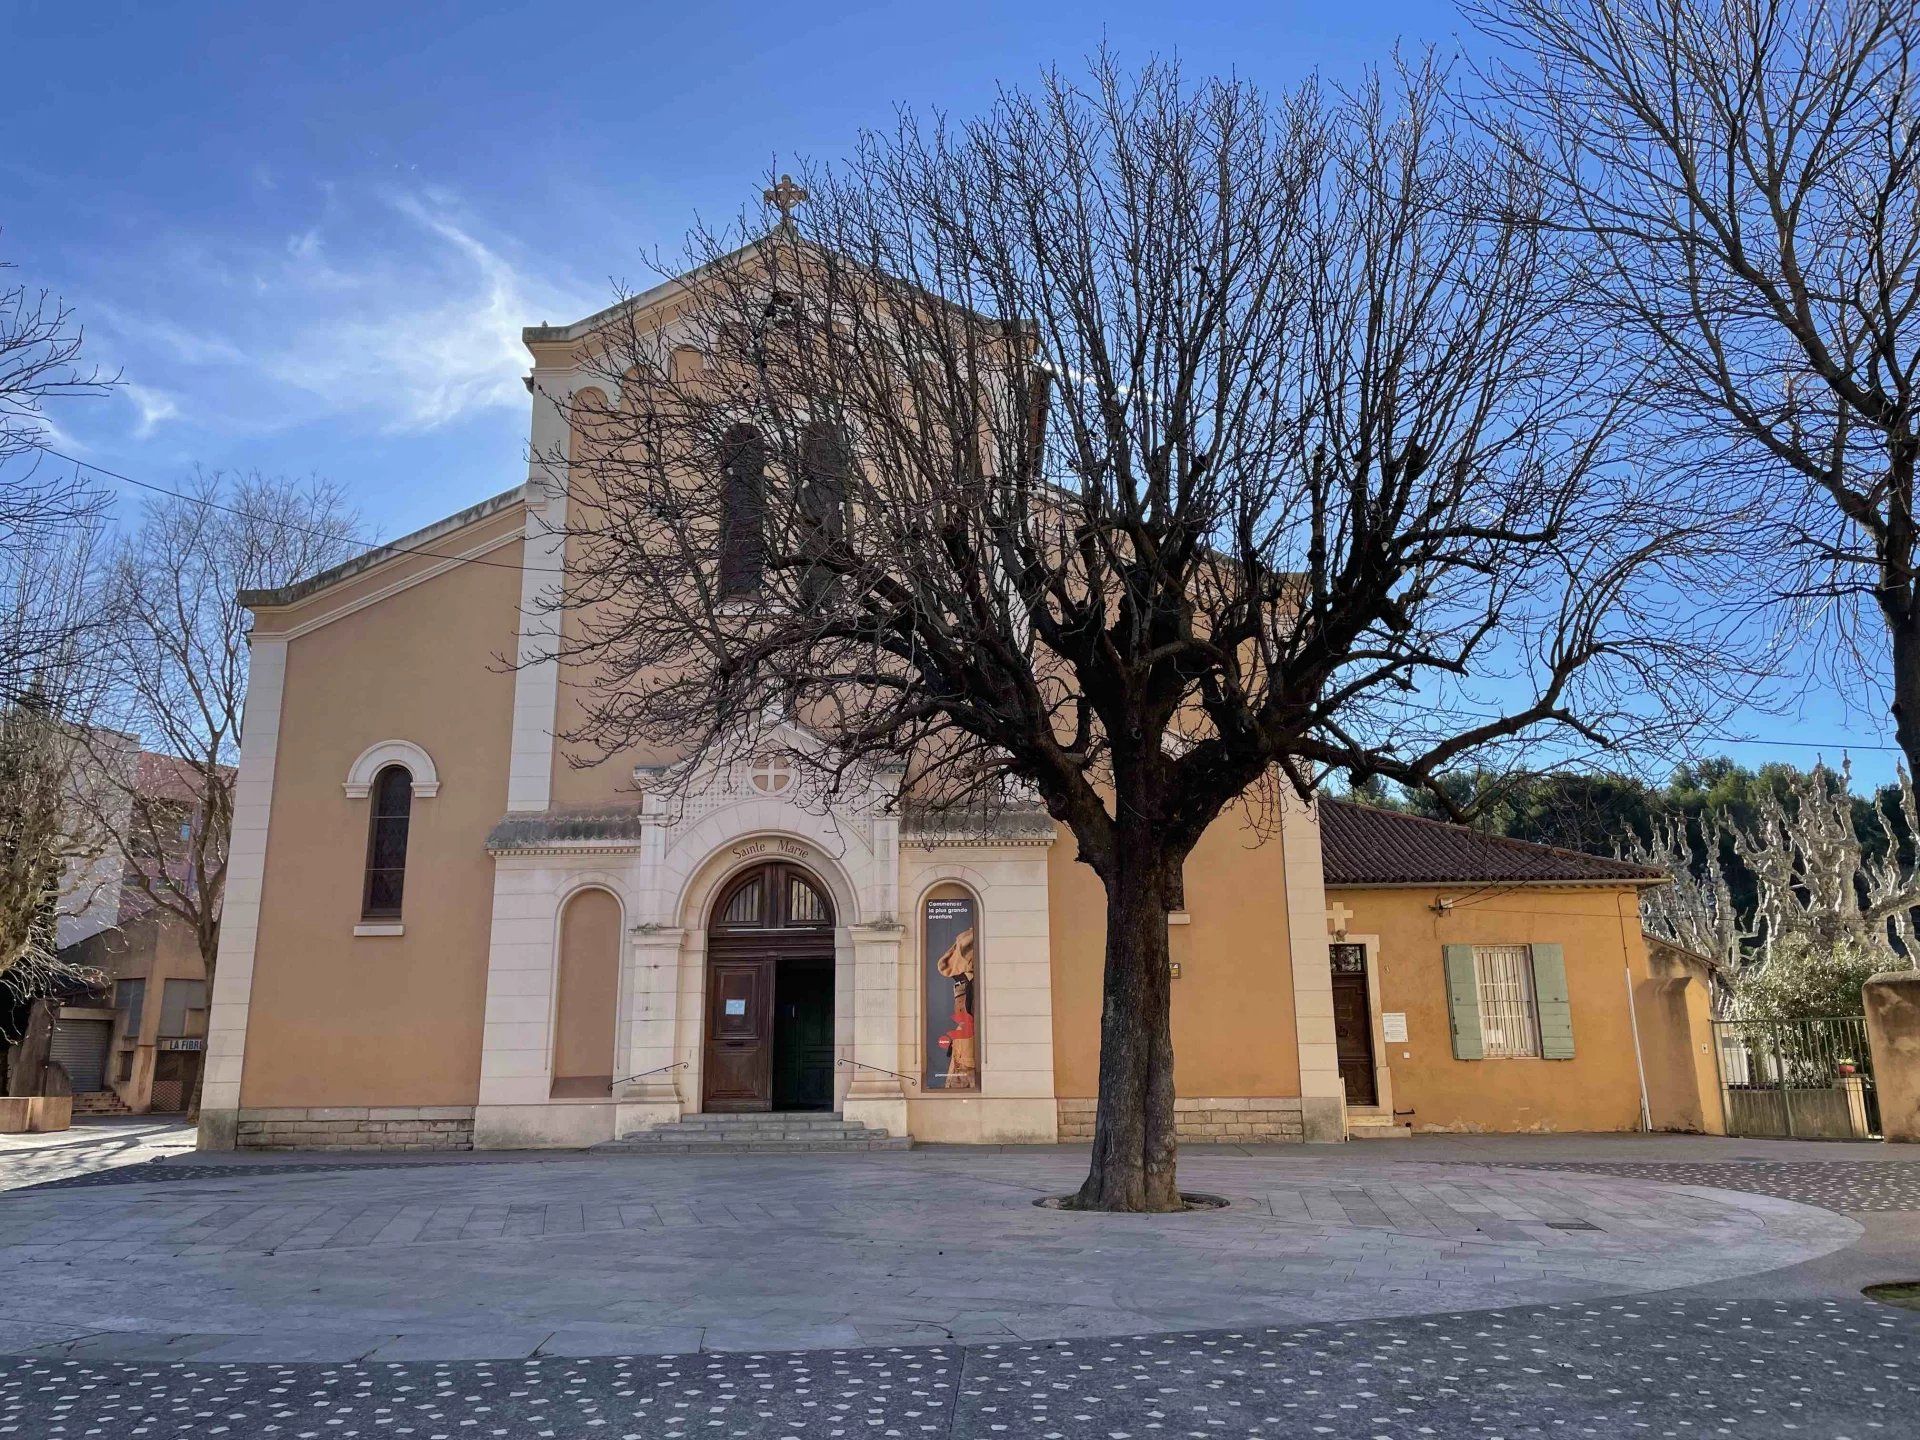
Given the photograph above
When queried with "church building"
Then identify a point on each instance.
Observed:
(441, 932)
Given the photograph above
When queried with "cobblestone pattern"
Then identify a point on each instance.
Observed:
(1833, 1185)
(1748, 1369)
(1207, 1122)
(352, 1128)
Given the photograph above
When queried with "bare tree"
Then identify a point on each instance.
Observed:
(178, 652)
(1829, 915)
(50, 623)
(1748, 175)
(1696, 909)
(50, 688)
(40, 361)
(1143, 446)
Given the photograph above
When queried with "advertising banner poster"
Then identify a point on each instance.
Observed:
(952, 1041)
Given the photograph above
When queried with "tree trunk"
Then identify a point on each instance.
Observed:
(1133, 1130)
(1903, 634)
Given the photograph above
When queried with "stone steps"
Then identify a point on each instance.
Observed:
(760, 1132)
(100, 1102)
(1376, 1127)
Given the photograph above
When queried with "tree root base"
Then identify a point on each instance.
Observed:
(1189, 1200)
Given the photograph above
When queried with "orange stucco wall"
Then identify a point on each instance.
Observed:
(1599, 1089)
(1233, 1027)
(336, 1019)
(588, 991)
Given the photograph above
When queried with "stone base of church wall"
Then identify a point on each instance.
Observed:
(1231, 1120)
(889, 1114)
(219, 1129)
(572, 1125)
(1323, 1120)
(984, 1120)
(416, 1127)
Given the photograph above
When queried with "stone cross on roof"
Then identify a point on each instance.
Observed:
(784, 196)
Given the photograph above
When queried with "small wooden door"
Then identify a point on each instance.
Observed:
(739, 1035)
(1353, 1023)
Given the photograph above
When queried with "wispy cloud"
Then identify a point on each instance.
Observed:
(152, 406)
(394, 310)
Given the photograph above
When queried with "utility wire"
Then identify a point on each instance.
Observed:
(389, 549)
(398, 549)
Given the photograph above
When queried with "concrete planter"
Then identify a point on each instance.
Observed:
(35, 1114)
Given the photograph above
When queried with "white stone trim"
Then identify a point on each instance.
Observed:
(379, 927)
(1322, 1094)
(536, 683)
(240, 912)
(376, 757)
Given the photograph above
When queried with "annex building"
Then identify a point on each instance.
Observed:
(440, 933)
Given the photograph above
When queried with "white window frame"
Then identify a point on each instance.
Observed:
(1509, 1004)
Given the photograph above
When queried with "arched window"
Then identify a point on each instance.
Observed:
(950, 942)
(824, 465)
(392, 796)
(773, 897)
(743, 535)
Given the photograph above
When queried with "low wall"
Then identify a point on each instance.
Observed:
(35, 1114)
(1255, 1120)
(425, 1127)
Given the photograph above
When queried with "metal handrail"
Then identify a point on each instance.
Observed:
(862, 1065)
(644, 1073)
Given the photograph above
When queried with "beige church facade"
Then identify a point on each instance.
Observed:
(439, 932)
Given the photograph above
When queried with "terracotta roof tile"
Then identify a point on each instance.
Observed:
(1361, 845)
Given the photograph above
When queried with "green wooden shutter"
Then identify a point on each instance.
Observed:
(1550, 995)
(1463, 1002)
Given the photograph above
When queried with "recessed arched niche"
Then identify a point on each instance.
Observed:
(587, 996)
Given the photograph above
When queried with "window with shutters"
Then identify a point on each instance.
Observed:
(1509, 1010)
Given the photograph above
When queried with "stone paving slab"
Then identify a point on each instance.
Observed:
(801, 1252)
(92, 1151)
(1752, 1369)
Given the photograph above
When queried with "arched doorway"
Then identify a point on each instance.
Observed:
(769, 1030)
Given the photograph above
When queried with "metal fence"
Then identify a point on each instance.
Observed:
(1805, 1079)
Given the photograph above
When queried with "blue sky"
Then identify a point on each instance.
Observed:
(308, 235)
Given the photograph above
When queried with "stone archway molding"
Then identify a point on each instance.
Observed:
(376, 757)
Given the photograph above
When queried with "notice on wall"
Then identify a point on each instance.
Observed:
(953, 1046)
(736, 1007)
(1393, 1026)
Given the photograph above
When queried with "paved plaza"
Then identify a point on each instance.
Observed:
(1470, 1288)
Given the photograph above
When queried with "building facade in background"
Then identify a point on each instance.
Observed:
(134, 1039)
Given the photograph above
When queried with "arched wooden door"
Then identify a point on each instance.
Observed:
(769, 1028)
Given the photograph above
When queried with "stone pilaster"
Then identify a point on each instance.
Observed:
(1323, 1099)
(652, 1096)
(874, 1094)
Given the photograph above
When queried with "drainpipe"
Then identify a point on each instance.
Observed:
(1633, 1019)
